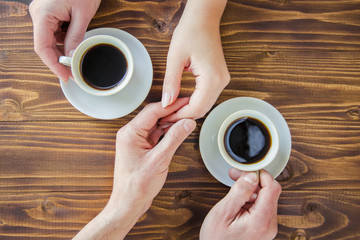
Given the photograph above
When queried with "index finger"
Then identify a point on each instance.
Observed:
(45, 45)
(150, 115)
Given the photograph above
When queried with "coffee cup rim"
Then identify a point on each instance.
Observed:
(89, 43)
(271, 154)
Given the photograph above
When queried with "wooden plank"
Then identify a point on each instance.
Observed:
(246, 25)
(323, 83)
(79, 156)
(176, 214)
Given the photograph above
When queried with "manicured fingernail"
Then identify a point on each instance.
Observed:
(250, 177)
(163, 126)
(165, 100)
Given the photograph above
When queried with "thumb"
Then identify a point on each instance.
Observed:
(239, 194)
(76, 31)
(174, 68)
(173, 138)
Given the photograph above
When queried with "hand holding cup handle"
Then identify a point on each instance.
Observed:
(75, 62)
(66, 61)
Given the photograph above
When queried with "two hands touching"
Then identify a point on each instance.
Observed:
(195, 47)
(142, 160)
(141, 166)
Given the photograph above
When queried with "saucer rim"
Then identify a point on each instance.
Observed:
(210, 121)
(140, 99)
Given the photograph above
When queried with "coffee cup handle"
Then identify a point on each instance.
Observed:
(65, 61)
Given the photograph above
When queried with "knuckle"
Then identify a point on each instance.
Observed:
(124, 133)
(32, 7)
(150, 107)
(277, 187)
(241, 187)
(75, 38)
(37, 49)
(197, 112)
(221, 78)
(269, 226)
(119, 133)
(227, 78)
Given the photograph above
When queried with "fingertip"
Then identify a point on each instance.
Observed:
(189, 125)
(235, 174)
(165, 100)
(251, 178)
(265, 178)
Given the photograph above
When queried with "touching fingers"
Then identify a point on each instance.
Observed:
(174, 68)
(149, 116)
(201, 101)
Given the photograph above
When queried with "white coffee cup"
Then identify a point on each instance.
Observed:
(75, 63)
(234, 119)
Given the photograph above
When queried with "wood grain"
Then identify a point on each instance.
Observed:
(302, 56)
(323, 154)
(175, 214)
(328, 82)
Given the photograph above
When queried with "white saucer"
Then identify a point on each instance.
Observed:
(128, 99)
(209, 150)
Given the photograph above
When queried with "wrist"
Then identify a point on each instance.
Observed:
(113, 222)
(129, 208)
(207, 11)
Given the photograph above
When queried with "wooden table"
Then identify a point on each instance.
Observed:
(303, 57)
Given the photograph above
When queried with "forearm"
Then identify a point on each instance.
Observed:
(111, 223)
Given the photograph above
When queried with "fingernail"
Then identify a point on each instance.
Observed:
(189, 125)
(250, 177)
(186, 126)
(165, 100)
(162, 126)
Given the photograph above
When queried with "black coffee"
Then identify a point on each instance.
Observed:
(103, 66)
(247, 140)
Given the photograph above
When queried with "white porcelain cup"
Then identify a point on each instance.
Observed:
(75, 63)
(237, 118)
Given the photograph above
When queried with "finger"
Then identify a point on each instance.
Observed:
(45, 45)
(149, 116)
(234, 173)
(60, 37)
(202, 99)
(177, 133)
(175, 65)
(268, 196)
(76, 31)
(240, 193)
(155, 135)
